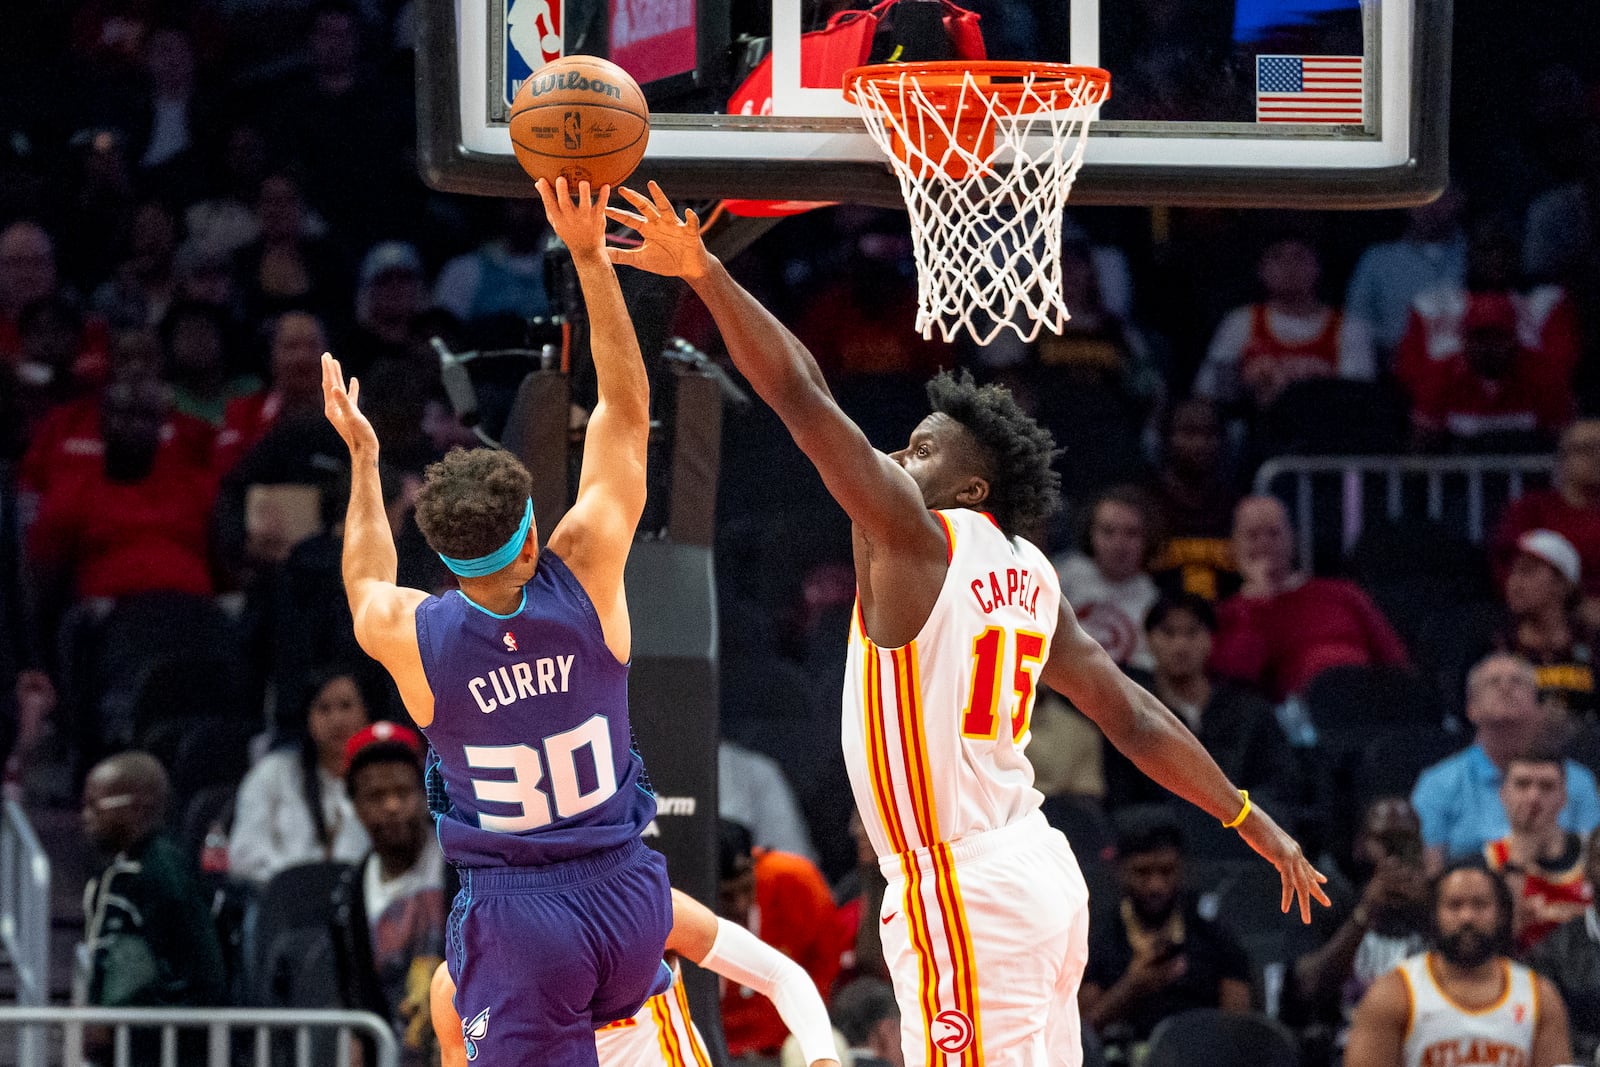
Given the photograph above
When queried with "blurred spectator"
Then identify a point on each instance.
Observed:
(1284, 627)
(98, 196)
(27, 273)
(390, 293)
(204, 275)
(783, 900)
(298, 342)
(866, 1013)
(290, 266)
(169, 65)
(1196, 503)
(752, 791)
(143, 286)
(1542, 589)
(203, 371)
(227, 221)
(1465, 1001)
(1570, 507)
(860, 895)
(149, 935)
(504, 275)
(1105, 581)
(1260, 349)
(63, 355)
(1458, 798)
(1099, 344)
(126, 488)
(1380, 915)
(1431, 254)
(292, 806)
(1155, 956)
(1486, 364)
(1542, 864)
(1560, 230)
(1236, 727)
(390, 909)
(1570, 958)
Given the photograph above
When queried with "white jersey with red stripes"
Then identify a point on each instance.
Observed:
(659, 1033)
(935, 731)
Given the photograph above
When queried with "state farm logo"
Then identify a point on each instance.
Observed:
(952, 1031)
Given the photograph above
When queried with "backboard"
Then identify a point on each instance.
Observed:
(1288, 103)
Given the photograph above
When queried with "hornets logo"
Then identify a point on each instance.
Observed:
(475, 1031)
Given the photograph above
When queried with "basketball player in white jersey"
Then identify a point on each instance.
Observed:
(662, 1034)
(1464, 1003)
(958, 619)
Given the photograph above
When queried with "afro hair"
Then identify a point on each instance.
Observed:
(472, 501)
(1024, 489)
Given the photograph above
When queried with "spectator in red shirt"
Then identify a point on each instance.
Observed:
(784, 900)
(298, 341)
(137, 520)
(1542, 862)
(1284, 627)
(1570, 507)
(1488, 366)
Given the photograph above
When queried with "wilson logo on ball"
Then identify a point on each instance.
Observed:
(952, 1031)
(552, 83)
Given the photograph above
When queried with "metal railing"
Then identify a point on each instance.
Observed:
(229, 1033)
(1464, 492)
(24, 905)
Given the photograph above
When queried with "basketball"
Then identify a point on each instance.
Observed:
(582, 118)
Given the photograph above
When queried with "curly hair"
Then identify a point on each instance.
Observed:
(1023, 486)
(471, 501)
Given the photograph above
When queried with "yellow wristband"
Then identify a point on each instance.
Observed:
(1242, 812)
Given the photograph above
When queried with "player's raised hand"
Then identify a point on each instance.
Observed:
(1300, 879)
(672, 246)
(340, 406)
(577, 216)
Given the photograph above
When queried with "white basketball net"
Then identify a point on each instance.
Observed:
(985, 221)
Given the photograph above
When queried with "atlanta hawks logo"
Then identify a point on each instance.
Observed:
(952, 1031)
(510, 641)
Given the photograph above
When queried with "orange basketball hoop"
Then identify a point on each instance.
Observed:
(986, 153)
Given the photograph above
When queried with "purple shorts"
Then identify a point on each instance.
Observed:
(542, 956)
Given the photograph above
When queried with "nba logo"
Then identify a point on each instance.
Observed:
(510, 641)
(572, 129)
(532, 38)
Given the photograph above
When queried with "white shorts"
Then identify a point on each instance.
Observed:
(661, 1033)
(986, 941)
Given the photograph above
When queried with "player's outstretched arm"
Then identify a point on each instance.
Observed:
(593, 538)
(1156, 740)
(383, 611)
(736, 954)
(874, 491)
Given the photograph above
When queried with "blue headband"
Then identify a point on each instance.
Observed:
(500, 557)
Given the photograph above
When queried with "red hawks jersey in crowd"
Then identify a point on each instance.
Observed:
(934, 731)
(1448, 395)
(1444, 1034)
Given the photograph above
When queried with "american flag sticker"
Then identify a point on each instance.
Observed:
(1311, 89)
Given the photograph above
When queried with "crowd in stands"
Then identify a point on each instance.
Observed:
(198, 198)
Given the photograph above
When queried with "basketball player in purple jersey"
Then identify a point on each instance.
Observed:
(520, 682)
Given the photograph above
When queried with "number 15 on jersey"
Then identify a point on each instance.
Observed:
(980, 720)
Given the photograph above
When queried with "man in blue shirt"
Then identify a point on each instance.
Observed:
(1458, 799)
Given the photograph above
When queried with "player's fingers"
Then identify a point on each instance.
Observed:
(640, 202)
(585, 199)
(1288, 892)
(661, 200)
(691, 220)
(563, 194)
(545, 194)
(355, 391)
(604, 196)
(616, 214)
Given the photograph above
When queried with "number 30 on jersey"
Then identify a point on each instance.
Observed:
(522, 790)
(980, 720)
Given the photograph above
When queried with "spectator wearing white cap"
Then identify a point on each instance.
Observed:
(391, 291)
(1543, 587)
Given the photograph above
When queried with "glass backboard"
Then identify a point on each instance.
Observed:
(1297, 103)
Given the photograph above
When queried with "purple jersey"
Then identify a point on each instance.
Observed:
(530, 728)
